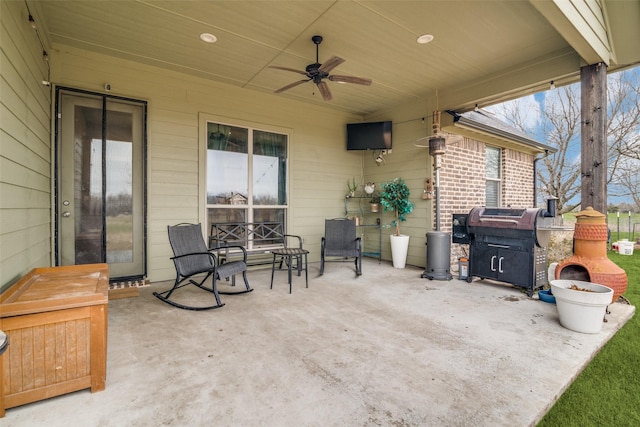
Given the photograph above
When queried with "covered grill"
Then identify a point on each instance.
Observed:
(510, 245)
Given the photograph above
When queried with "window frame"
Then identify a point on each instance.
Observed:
(249, 207)
(497, 180)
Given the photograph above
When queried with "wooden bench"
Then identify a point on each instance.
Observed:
(258, 238)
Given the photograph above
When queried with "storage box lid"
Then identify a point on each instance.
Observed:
(56, 288)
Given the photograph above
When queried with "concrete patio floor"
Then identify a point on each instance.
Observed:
(386, 348)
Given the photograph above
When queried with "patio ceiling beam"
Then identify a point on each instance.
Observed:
(562, 66)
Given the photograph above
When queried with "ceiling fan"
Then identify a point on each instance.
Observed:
(319, 72)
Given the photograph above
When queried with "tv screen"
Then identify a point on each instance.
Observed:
(369, 136)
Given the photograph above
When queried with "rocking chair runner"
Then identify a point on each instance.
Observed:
(192, 257)
(340, 241)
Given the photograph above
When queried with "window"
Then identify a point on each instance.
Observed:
(246, 174)
(492, 175)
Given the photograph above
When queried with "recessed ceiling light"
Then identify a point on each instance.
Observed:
(209, 38)
(424, 39)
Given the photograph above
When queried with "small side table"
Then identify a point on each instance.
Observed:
(289, 254)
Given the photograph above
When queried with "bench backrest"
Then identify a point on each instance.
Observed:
(251, 235)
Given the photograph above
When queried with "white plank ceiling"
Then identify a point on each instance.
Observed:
(474, 42)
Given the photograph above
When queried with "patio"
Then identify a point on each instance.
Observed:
(385, 348)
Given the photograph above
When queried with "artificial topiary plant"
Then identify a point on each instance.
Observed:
(395, 197)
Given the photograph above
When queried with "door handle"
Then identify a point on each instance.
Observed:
(500, 264)
(66, 214)
(493, 268)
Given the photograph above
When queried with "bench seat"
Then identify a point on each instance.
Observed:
(258, 238)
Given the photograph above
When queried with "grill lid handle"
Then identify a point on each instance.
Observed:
(510, 221)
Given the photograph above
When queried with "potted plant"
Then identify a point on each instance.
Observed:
(395, 198)
(581, 305)
(352, 186)
(374, 204)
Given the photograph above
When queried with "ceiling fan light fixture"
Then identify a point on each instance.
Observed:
(317, 73)
(424, 39)
(208, 38)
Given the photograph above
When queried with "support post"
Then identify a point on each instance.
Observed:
(593, 81)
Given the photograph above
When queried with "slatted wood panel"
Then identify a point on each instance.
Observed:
(42, 356)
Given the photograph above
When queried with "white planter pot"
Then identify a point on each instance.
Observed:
(399, 249)
(581, 311)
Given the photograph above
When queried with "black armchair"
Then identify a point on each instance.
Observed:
(340, 241)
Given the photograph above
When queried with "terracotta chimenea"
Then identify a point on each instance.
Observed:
(589, 262)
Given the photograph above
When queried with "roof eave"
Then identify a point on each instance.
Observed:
(460, 125)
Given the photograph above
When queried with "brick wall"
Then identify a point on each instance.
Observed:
(462, 184)
(517, 179)
(462, 180)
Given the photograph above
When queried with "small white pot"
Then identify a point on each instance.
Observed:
(399, 249)
(581, 311)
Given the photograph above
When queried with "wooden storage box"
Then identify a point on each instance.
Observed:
(56, 322)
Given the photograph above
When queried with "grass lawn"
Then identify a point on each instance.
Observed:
(607, 392)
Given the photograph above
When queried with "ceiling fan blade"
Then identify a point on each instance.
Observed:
(288, 69)
(289, 86)
(331, 63)
(324, 91)
(351, 79)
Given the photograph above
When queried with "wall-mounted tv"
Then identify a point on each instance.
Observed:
(369, 136)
